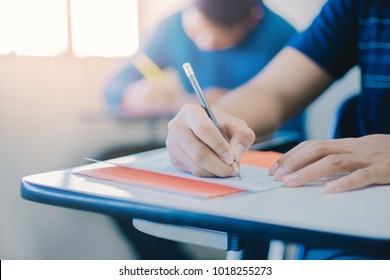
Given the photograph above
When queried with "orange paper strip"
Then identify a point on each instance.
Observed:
(260, 158)
(144, 178)
(133, 176)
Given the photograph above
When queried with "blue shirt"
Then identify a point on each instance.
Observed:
(348, 33)
(228, 68)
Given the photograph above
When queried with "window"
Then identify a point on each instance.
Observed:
(47, 27)
(104, 27)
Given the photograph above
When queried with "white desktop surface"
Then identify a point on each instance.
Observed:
(363, 213)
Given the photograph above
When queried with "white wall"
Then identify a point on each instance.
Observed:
(51, 115)
(299, 13)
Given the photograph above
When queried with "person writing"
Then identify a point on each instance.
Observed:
(345, 34)
(217, 37)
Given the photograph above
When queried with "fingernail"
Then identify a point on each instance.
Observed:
(291, 180)
(228, 158)
(332, 187)
(273, 168)
(235, 170)
(280, 172)
(239, 150)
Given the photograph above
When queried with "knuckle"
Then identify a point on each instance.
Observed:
(200, 125)
(187, 108)
(377, 176)
(199, 156)
(250, 135)
(305, 143)
(241, 122)
(320, 147)
(282, 159)
(286, 162)
(201, 128)
(173, 125)
(365, 174)
(219, 146)
(190, 110)
(336, 161)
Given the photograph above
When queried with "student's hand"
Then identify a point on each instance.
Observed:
(195, 145)
(146, 97)
(365, 160)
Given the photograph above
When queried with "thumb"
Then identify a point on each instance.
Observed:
(241, 139)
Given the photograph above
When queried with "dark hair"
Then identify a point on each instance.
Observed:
(226, 12)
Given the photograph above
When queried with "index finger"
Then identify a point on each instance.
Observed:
(204, 128)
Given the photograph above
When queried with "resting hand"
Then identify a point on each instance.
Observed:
(195, 145)
(162, 96)
(366, 161)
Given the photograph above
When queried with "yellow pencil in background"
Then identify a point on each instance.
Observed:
(148, 68)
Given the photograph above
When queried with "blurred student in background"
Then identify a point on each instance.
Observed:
(226, 41)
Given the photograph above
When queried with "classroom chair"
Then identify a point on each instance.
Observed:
(345, 123)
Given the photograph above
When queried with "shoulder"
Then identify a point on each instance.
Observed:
(170, 24)
(340, 12)
(170, 28)
(330, 40)
(273, 30)
(274, 21)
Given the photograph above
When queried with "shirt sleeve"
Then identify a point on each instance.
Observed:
(331, 39)
(116, 86)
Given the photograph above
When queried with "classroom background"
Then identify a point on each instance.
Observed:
(52, 113)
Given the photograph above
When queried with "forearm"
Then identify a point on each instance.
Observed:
(260, 111)
(286, 86)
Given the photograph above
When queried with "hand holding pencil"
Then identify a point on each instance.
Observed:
(203, 102)
(196, 145)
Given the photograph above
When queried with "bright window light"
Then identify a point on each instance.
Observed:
(6, 30)
(104, 28)
(35, 28)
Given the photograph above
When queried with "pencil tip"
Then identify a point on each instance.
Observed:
(239, 176)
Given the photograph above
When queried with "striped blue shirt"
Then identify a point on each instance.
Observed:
(355, 32)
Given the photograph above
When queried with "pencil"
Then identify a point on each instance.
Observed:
(203, 102)
(147, 67)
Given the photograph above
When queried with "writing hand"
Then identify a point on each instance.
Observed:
(195, 145)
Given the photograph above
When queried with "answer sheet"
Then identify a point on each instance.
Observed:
(253, 178)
